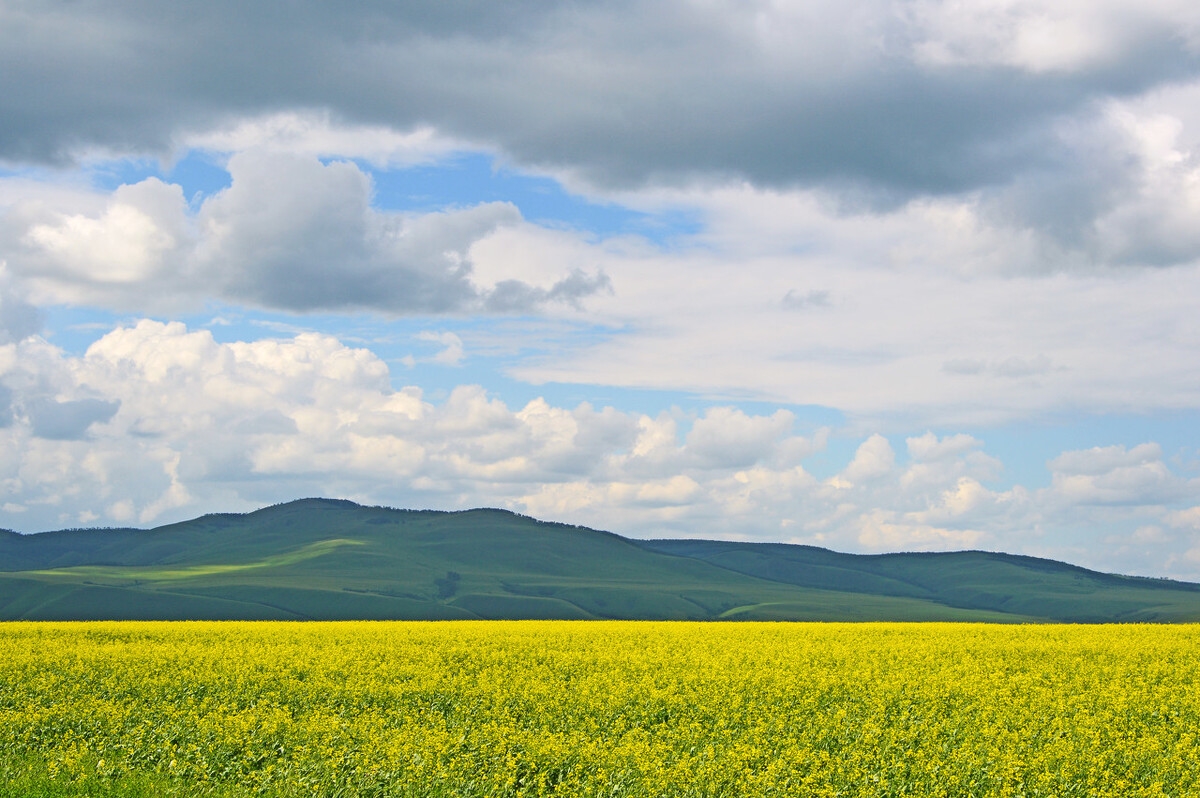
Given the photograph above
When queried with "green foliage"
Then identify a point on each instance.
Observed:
(321, 559)
(448, 585)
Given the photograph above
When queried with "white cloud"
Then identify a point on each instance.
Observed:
(873, 459)
(929, 448)
(452, 353)
(1101, 460)
(1133, 484)
(725, 437)
(937, 320)
(316, 134)
(289, 233)
(966, 499)
(126, 244)
(885, 530)
(1187, 519)
(1044, 37)
(193, 425)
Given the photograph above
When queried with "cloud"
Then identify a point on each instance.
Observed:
(882, 529)
(794, 300)
(290, 233)
(873, 459)
(1012, 367)
(929, 448)
(901, 96)
(156, 422)
(1187, 519)
(1031, 281)
(316, 134)
(1115, 475)
(6, 409)
(18, 318)
(68, 420)
(947, 472)
(452, 354)
(929, 327)
(515, 296)
(728, 438)
(297, 234)
(1100, 460)
(1039, 38)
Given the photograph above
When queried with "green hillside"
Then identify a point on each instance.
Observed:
(976, 580)
(326, 559)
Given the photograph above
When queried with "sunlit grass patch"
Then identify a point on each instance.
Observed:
(155, 573)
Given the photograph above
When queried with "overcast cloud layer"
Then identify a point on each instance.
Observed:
(905, 97)
(914, 215)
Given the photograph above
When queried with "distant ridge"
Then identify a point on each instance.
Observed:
(334, 559)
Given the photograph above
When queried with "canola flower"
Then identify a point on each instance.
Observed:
(598, 709)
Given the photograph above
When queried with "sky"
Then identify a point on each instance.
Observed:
(874, 275)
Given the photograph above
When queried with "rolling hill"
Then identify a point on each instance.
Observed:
(328, 559)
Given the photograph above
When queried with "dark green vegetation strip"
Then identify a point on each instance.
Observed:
(322, 559)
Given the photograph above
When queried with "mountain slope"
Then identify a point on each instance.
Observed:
(966, 579)
(318, 558)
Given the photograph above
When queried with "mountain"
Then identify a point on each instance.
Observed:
(327, 559)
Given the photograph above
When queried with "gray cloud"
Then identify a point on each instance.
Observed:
(6, 410)
(515, 296)
(886, 96)
(68, 421)
(296, 234)
(1012, 367)
(18, 319)
(795, 300)
(268, 422)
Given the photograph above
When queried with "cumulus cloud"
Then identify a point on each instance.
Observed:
(884, 529)
(1115, 475)
(874, 458)
(929, 448)
(298, 234)
(728, 438)
(186, 419)
(289, 233)
(1188, 519)
(155, 422)
(1101, 460)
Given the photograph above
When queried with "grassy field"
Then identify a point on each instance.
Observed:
(598, 709)
(334, 560)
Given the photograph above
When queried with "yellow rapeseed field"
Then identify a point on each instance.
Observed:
(598, 709)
